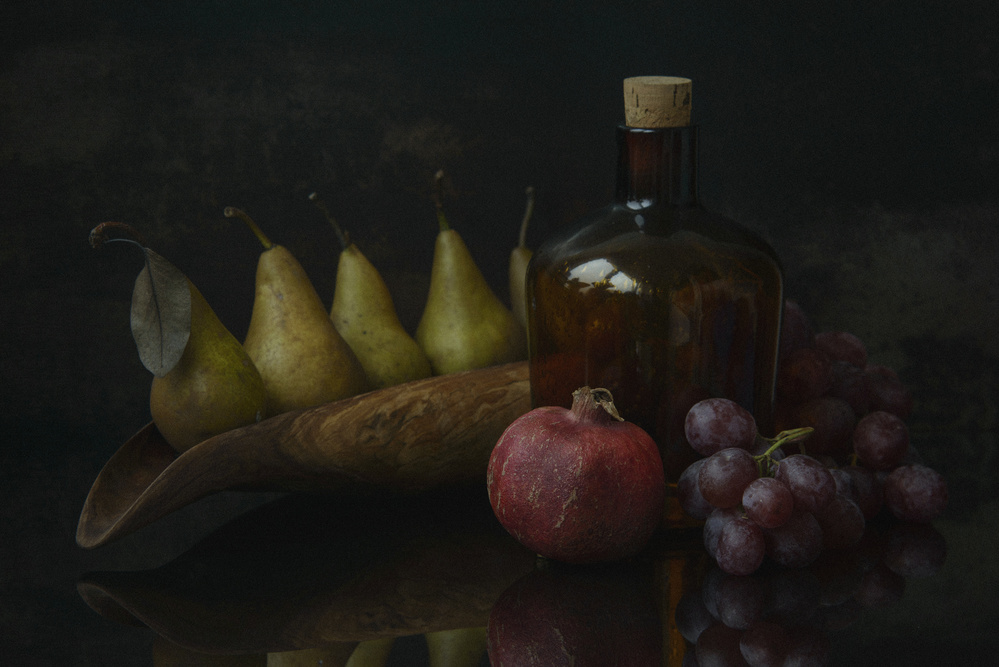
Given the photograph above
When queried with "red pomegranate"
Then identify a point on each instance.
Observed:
(578, 485)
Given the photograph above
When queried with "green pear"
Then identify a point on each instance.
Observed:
(462, 647)
(214, 388)
(301, 357)
(204, 382)
(365, 315)
(464, 325)
(371, 653)
(520, 257)
(335, 655)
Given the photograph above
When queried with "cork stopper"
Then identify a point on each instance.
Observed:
(657, 101)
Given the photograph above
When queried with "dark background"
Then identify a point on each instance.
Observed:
(860, 138)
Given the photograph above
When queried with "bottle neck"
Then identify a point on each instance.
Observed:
(657, 166)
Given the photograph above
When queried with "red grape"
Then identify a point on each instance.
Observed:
(796, 330)
(768, 502)
(741, 547)
(887, 392)
(803, 375)
(916, 493)
(850, 384)
(713, 526)
(716, 423)
(810, 482)
(861, 485)
(842, 523)
(833, 420)
(842, 346)
(692, 617)
(725, 475)
(881, 440)
(688, 493)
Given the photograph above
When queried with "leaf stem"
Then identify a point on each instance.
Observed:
(105, 233)
(233, 212)
(341, 234)
(102, 234)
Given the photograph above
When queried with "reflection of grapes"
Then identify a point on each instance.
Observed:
(765, 644)
(797, 542)
(779, 616)
(842, 523)
(914, 550)
(843, 457)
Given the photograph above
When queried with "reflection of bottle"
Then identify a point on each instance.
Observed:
(653, 297)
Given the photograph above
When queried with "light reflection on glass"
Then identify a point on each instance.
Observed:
(603, 274)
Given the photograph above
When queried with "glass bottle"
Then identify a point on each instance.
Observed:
(653, 297)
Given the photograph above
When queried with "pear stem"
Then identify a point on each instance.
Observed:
(341, 234)
(439, 200)
(233, 212)
(528, 212)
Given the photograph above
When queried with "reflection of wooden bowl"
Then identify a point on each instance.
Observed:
(307, 571)
(421, 435)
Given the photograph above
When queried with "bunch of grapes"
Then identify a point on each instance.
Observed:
(843, 457)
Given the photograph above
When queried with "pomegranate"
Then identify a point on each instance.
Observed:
(578, 485)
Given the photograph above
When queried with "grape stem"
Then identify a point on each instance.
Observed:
(765, 460)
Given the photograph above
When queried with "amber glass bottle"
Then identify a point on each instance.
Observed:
(653, 297)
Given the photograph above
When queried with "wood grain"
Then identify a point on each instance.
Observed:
(420, 435)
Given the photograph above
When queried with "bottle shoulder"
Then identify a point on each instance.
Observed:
(685, 239)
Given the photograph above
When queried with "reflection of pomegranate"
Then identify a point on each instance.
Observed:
(577, 485)
(575, 615)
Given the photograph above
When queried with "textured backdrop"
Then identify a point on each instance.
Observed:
(860, 138)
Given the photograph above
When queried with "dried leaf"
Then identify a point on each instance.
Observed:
(161, 314)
